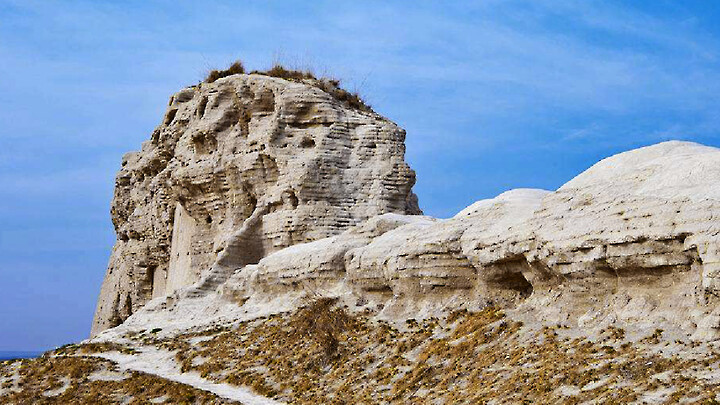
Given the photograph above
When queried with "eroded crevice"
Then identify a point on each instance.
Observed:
(202, 106)
(513, 281)
(507, 279)
(204, 143)
(244, 121)
(170, 116)
(290, 200)
(307, 142)
(149, 281)
(308, 124)
(128, 308)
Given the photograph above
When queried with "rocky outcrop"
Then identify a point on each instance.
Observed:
(631, 241)
(238, 169)
(256, 193)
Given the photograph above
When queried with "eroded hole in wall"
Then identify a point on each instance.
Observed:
(150, 279)
(204, 143)
(507, 279)
(290, 199)
(128, 306)
(201, 107)
(513, 282)
(170, 116)
(264, 102)
(306, 125)
(269, 167)
(381, 289)
(246, 247)
(307, 142)
(650, 273)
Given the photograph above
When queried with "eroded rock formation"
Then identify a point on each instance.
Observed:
(630, 242)
(238, 169)
(262, 192)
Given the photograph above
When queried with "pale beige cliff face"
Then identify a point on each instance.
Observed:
(257, 194)
(632, 242)
(238, 169)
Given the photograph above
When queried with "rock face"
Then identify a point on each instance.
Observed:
(257, 193)
(632, 242)
(241, 168)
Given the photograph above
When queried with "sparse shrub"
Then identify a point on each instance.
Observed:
(655, 337)
(42, 375)
(328, 85)
(280, 71)
(236, 68)
(353, 100)
(323, 323)
(103, 347)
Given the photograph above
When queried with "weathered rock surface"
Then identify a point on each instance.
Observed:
(241, 168)
(631, 241)
(256, 194)
(602, 291)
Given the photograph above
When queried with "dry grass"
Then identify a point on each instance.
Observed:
(68, 376)
(321, 323)
(288, 74)
(105, 347)
(329, 85)
(353, 100)
(321, 354)
(234, 69)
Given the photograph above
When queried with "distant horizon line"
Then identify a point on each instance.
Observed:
(20, 354)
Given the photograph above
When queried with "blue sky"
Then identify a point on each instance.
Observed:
(493, 94)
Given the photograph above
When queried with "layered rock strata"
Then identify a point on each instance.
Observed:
(257, 193)
(238, 169)
(631, 241)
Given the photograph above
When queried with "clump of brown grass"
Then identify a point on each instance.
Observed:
(615, 333)
(468, 357)
(282, 72)
(654, 338)
(235, 68)
(105, 347)
(48, 373)
(323, 323)
(329, 85)
(353, 100)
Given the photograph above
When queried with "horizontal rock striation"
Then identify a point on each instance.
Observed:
(264, 192)
(631, 241)
(238, 169)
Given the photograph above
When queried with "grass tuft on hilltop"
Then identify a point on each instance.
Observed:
(326, 84)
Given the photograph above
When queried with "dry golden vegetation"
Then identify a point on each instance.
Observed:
(324, 354)
(90, 348)
(321, 354)
(328, 85)
(235, 68)
(66, 380)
